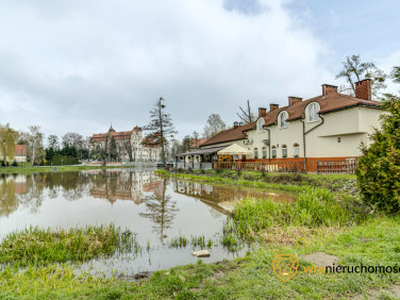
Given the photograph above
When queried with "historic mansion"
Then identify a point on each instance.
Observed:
(131, 145)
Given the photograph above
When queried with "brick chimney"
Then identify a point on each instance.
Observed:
(294, 100)
(273, 107)
(363, 89)
(262, 112)
(327, 89)
(235, 124)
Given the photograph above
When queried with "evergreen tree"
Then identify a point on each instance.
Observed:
(378, 171)
(161, 129)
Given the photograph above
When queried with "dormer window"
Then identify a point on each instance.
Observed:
(283, 120)
(260, 124)
(313, 110)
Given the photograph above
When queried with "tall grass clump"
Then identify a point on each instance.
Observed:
(43, 246)
(315, 207)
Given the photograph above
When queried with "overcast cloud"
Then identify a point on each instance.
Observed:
(79, 65)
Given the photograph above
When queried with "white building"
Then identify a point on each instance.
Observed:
(329, 127)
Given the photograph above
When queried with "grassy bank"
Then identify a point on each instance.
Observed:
(34, 246)
(45, 169)
(371, 243)
(325, 218)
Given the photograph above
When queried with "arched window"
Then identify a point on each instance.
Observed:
(282, 119)
(273, 151)
(255, 153)
(260, 124)
(296, 150)
(313, 110)
(264, 152)
(284, 151)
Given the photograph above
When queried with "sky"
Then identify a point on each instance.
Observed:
(78, 66)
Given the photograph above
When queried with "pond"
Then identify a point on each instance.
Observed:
(154, 209)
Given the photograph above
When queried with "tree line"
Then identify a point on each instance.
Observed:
(70, 149)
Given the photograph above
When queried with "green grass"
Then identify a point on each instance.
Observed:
(34, 246)
(371, 243)
(45, 169)
(320, 221)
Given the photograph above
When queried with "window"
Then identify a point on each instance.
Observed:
(296, 150)
(313, 112)
(284, 151)
(282, 120)
(273, 152)
(264, 152)
(260, 124)
(255, 153)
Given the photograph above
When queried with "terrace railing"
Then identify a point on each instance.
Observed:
(347, 166)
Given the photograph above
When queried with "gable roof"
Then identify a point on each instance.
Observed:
(194, 145)
(232, 134)
(329, 103)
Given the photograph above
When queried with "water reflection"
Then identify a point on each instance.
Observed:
(223, 198)
(9, 188)
(116, 185)
(156, 210)
(161, 210)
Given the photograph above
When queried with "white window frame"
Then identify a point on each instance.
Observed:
(312, 111)
(283, 120)
(274, 153)
(256, 153)
(296, 150)
(284, 151)
(260, 124)
(264, 152)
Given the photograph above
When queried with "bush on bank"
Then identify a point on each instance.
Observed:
(378, 171)
(43, 246)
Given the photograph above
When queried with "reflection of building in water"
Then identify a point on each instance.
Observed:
(123, 185)
(213, 195)
(20, 184)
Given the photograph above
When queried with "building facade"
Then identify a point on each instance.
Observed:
(130, 145)
(329, 127)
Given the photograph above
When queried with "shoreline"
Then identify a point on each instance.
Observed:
(48, 169)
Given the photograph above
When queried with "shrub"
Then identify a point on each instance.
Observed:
(15, 164)
(378, 172)
(252, 176)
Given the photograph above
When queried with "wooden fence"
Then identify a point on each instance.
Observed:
(330, 167)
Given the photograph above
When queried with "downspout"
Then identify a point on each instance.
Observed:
(269, 144)
(304, 139)
(304, 146)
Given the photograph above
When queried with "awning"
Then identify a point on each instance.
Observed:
(202, 151)
(235, 149)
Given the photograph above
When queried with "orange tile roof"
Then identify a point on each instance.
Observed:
(120, 135)
(194, 145)
(229, 135)
(20, 150)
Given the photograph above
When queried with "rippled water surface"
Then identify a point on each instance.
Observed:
(156, 210)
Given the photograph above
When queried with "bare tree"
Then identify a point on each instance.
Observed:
(247, 115)
(73, 139)
(354, 70)
(34, 139)
(128, 148)
(161, 129)
(214, 125)
(53, 142)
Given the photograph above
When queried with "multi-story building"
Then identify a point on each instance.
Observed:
(130, 145)
(328, 127)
